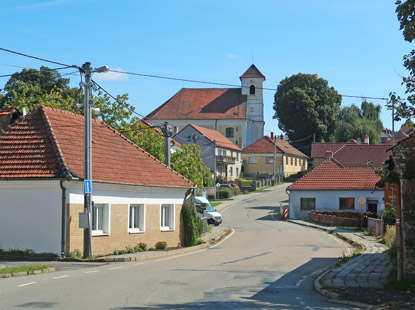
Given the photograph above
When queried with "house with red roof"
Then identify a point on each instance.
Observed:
(259, 157)
(219, 154)
(237, 113)
(136, 197)
(345, 181)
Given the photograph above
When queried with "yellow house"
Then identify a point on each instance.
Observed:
(259, 157)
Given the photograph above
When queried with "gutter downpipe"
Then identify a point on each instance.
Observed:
(63, 224)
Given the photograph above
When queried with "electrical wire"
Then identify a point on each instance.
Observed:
(222, 84)
(301, 139)
(37, 58)
(40, 70)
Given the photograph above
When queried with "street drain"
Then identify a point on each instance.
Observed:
(263, 290)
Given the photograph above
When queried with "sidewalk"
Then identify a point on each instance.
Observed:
(360, 280)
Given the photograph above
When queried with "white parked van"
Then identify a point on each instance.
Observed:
(203, 208)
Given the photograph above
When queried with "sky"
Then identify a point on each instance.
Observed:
(355, 45)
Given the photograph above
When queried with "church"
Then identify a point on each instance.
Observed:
(237, 113)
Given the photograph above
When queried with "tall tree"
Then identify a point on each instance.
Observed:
(305, 105)
(356, 123)
(31, 88)
(405, 108)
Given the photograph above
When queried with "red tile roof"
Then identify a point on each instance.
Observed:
(216, 136)
(203, 103)
(318, 149)
(252, 72)
(331, 175)
(266, 146)
(48, 143)
(7, 110)
(356, 155)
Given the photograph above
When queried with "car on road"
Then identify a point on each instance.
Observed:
(205, 209)
(234, 185)
(225, 185)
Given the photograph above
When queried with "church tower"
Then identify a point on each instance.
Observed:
(252, 86)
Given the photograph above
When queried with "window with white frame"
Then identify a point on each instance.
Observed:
(253, 159)
(136, 216)
(230, 171)
(100, 219)
(167, 217)
(229, 132)
(269, 160)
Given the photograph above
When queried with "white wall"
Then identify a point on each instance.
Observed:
(30, 211)
(30, 215)
(329, 200)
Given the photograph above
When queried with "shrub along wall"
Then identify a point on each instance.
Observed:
(193, 225)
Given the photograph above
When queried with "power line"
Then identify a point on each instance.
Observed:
(37, 58)
(301, 139)
(40, 70)
(222, 84)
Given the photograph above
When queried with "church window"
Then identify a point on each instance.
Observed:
(229, 132)
(252, 90)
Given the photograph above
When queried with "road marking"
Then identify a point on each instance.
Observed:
(92, 271)
(337, 240)
(138, 264)
(226, 238)
(21, 285)
(113, 268)
(171, 257)
(61, 277)
(300, 281)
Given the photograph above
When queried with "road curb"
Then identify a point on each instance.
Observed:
(332, 296)
(27, 273)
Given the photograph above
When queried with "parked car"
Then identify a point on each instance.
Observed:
(204, 208)
(234, 185)
(225, 185)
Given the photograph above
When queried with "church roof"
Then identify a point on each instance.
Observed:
(203, 103)
(252, 72)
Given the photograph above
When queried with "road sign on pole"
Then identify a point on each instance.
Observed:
(88, 186)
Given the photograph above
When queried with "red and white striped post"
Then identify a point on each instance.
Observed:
(285, 213)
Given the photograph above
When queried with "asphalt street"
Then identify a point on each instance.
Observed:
(265, 263)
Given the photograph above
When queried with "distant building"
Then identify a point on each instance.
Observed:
(237, 113)
(219, 154)
(259, 157)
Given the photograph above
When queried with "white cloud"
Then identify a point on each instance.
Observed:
(234, 56)
(110, 75)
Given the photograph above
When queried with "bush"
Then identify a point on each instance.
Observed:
(236, 191)
(193, 225)
(75, 254)
(161, 245)
(390, 236)
(142, 246)
(199, 241)
(225, 192)
(389, 216)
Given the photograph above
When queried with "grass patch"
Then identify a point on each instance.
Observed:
(357, 246)
(28, 269)
(350, 228)
(214, 204)
(209, 228)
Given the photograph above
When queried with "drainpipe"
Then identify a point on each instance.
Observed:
(63, 224)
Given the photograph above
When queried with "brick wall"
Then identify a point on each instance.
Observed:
(119, 237)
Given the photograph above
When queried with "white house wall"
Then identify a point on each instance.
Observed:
(30, 215)
(329, 200)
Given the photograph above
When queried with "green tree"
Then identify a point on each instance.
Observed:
(305, 105)
(188, 162)
(356, 123)
(405, 108)
(31, 88)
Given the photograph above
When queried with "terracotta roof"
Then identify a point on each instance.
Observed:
(216, 136)
(331, 175)
(356, 155)
(203, 103)
(7, 110)
(265, 145)
(318, 149)
(252, 72)
(48, 143)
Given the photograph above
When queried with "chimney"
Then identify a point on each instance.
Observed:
(328, 154)
(366, 140)
(272, 135)
(358, 141)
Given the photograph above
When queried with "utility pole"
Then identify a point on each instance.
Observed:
(273, 163)
(88, 159)
(88, 104)
(167, 134)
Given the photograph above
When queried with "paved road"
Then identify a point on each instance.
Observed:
(264, 264)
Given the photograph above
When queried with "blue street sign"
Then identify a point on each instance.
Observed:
(88, 186)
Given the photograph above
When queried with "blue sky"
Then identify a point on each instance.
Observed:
(356, 44)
